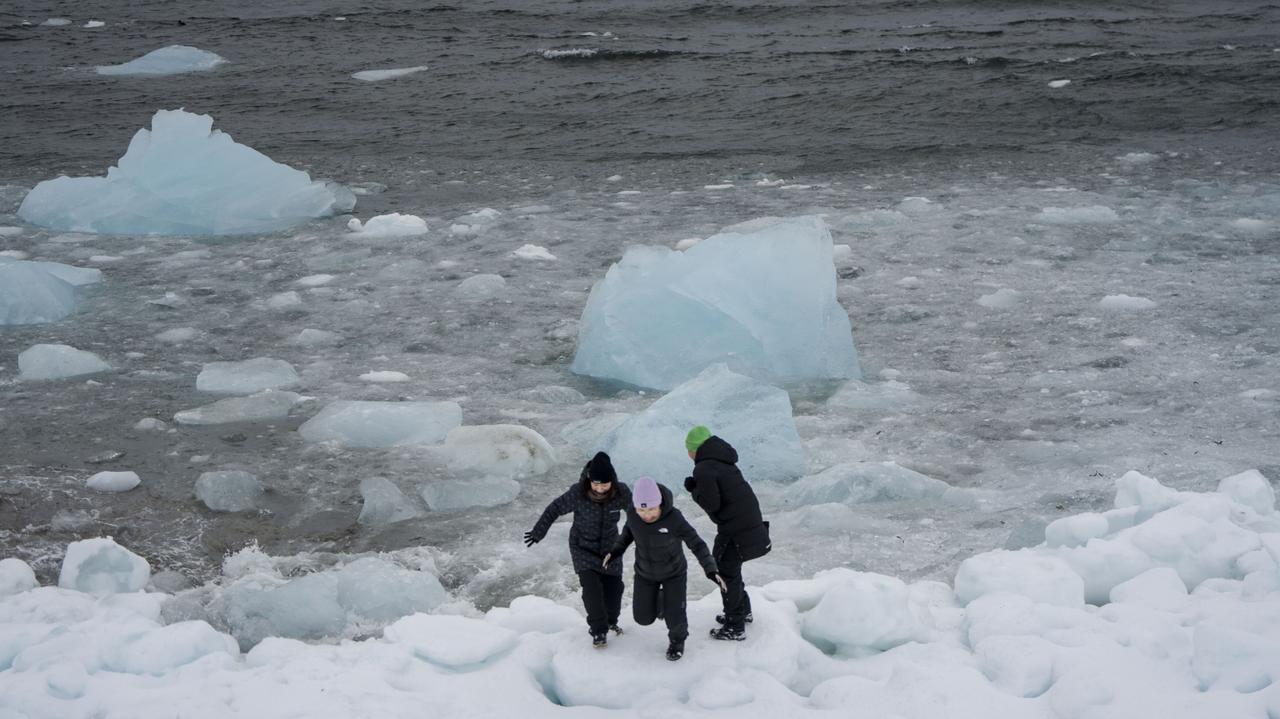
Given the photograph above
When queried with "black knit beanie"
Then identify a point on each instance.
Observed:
(600, 469)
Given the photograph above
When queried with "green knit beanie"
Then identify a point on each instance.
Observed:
(696, 437)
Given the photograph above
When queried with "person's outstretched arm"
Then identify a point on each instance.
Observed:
(703, 488)
(619, 545)
(690, 537)
(559, 506)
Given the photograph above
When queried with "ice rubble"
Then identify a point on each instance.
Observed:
(228, 490)
(259, 407)
(171, 60)
(38, 292)
(246, 377)
(762, 300)
(357, 423)
(44, 362)
(181, 177)
(753, 417)
(1189, 627)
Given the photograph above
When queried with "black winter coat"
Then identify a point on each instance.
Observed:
(718, 487)
(595, 524)
(659, 554)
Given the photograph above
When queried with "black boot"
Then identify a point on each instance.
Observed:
(721, 620)
(616, 629)
(728, 633)
(599, 639)
(675, 650)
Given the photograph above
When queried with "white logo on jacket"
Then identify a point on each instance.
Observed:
(662, 530)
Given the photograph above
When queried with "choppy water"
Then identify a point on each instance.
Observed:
(857, 105)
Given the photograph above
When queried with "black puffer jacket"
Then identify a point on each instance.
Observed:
(659, 555)
(718, 487)
(595, 524)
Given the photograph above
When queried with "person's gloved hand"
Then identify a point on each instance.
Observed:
(531, 539)
(689, 484)
(715, 577)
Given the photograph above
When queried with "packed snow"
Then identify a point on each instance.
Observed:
(761, 299)
(182, 177)
(171, 60)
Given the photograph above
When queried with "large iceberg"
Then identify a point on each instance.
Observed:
(753, 417)
(182, 177)
(171, 60)
(762, 300)
(38, 292)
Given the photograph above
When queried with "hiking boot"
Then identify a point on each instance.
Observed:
(728, 634)
(615, 629)
(599, 641)
(675, 650)
(721, 620)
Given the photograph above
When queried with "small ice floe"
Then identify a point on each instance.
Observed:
(478, 287)
(39, 292)
(282, 301)
(113, 481)
(533, 252)
(613, 178)
(93, 24)
(150, 424)
(310, 337)
(246, 377)
(766, 182)
(385, 376)
(56, 22)
(99, 566)
(1250, 226)
(228, 491)
(314, 280)
(1138, 158)
(388, 74)
(686, 243)
(451, 495)
(16, 576)
(571, 53)
(910, 283)
(390, 225)
(172, 60)
(1001, 299)
(498, 450)
(718, 187)
(1089, 215)
(474, 223)
(1125, 303)
(384, 503)
(1055, 84)
(48, 361)
(350, 423)
(178, 335)
(261, 406)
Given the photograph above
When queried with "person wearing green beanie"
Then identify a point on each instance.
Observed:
(741, 532)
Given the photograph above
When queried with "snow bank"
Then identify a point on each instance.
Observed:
(171, 60)
(181, 177)
(762, 300)
(41, 362)
(753, 417)
(382, 424)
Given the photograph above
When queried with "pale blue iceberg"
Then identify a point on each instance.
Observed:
(753, 417)
(182, 177)
(761, 300)
(383, 591)
(39, 292)
(171, 60)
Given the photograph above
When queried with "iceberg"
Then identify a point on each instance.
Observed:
(228, 491)
(171, 60)
(265, 405)
(249, 376)
(100, 566)
(761, 300)
(753, 417)
(40, 362)
(384, 503)
(451, 495)
(370, 424)
(181, 177)
(29, 294)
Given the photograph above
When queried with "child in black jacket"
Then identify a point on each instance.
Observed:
(658, 529)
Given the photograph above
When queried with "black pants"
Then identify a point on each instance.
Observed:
(602, 597)
(737, 604)
(670, 593)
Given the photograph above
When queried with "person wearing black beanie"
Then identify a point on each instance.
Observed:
(596, 501)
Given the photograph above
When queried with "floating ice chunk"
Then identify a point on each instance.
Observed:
(383, 591)
(858, 482)
(385, 376)
(753, 417)
(686, 243)
(392, 225)
(1125, 303)
(533, 252)
(382, 424)
(1138, 158)
(856, 394)
(150, 424)
(862, 611)
(113, 481)
(43, 362)
(450, 641)
(94, 24)
(228, 491)
(384, 503)
(377, 75)
(1001, 299)
(56, 22)
(1090, 215)
(1077, 530)
(100, 566)
(498, 450)
(451, 495)
(917, 206)
(315, 338)
(1055, 84)
(479, 287)
(252, 375)
(184, 178)
(302, 608)
(1251, 226)
(261, 407)
(762, 300)
(1044, 579)
(15, 577)
(31, 295)
(553, 394)
(72, 275)
(284, 301)
(533, 614)
(171, 60)
(314, 280)
(1251, 489)
(178, 335)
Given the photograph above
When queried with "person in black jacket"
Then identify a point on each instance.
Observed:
(741, 532)
(596, 501)
(658, 529)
